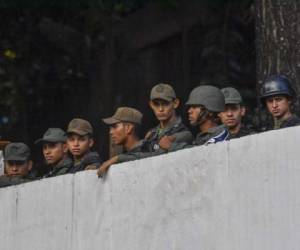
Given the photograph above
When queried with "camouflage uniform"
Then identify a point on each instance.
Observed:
(134, 154)
(89, 159)
(176, 129)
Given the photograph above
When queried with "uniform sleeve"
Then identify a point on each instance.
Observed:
(184, 136)
(138, 155)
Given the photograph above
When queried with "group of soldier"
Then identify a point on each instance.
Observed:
(215, 113)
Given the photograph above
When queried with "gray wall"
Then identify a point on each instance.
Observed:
(243, 194)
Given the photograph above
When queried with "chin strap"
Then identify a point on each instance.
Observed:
(201, 117)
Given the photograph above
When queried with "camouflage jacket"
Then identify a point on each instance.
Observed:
(91, 158)
(176, 129)
(62, 167)
(133, 154)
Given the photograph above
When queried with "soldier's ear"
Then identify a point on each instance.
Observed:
(151, 104)
(91, 142)
(176, 103)
(243, 111)
(129, 128)
(30, 163)
(65, 148)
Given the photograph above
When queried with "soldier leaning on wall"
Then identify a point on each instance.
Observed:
(277, 95)
(168, 133)
(55, 152)
(17, 164)
(234, 111)
(124, 130)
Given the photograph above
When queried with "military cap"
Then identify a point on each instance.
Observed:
(53, 135)
(163, 91)
(80, 127)
(232, 96)
(125, 114)
(16, 151)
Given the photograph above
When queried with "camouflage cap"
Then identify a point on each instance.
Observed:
(53, 135)
(80, 127)
(16, 151)
(163, 91)
(125, 114)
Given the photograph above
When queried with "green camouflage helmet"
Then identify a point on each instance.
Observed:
(232, 96)
(208, 96)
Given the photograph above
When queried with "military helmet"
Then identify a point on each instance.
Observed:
(232, 96)
(276, 85)
(208, 96)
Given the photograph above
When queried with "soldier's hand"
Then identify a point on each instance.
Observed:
(166, 141)
(105, 166)
(90, 167)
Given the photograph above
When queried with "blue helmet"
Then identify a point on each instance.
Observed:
(276, 85)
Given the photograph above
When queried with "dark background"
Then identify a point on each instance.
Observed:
(62, 59)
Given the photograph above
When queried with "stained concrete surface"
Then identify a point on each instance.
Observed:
(242, 194)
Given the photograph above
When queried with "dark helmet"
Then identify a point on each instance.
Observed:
(208, 96)
(276, 85)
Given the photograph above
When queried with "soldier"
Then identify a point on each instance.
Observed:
(124, 130)
(80, 141)
(277, 95)
(55, 151)
(234, 111)
(17, 164)
(204, 105)
(170, 130)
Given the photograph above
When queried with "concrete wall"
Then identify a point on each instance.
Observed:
(1, 163)
(243, 194)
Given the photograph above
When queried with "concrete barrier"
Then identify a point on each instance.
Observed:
(242, 194)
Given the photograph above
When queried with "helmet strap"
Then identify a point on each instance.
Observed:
(202, 117)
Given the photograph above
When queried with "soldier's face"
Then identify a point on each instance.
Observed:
(194, 113)
(164, 110)
(17, 168)
(279, 106)
(79, 145)
(232, 116)
(118, 133)
(54, 152)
